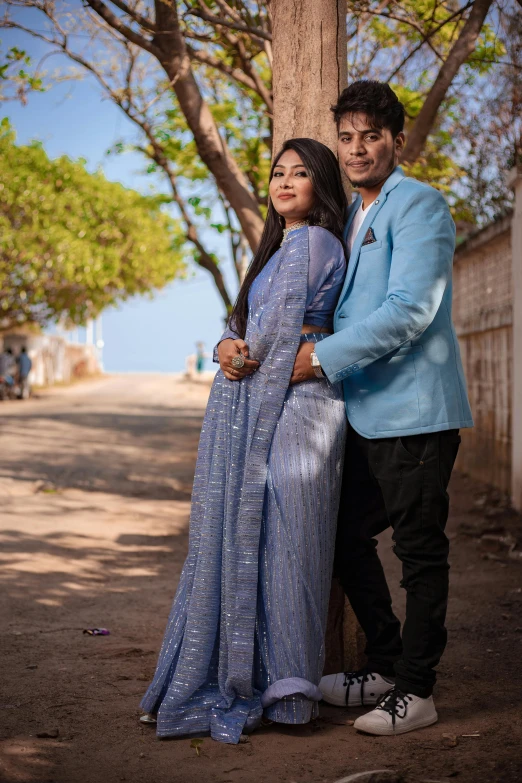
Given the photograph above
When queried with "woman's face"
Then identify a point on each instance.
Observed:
(290, 189)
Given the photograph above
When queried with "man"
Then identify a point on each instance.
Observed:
(24, 368)
(396, 352)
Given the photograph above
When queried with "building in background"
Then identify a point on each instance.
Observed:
(54, 358)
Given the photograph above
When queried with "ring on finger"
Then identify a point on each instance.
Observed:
(238, 361)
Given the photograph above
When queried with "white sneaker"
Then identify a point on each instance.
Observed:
(354, 689)
(397, 713)
(149, 718)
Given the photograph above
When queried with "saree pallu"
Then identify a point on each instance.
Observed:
(246, 630)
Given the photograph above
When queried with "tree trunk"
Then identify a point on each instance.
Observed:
(309, 71)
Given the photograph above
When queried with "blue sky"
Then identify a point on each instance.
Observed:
(73, 119)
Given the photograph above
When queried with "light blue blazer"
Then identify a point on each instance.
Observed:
(394, 346)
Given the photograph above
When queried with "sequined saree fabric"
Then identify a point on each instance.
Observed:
(246, 630)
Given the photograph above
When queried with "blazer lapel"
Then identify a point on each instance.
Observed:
(393, 180)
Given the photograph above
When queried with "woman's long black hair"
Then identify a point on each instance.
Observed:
(328, 211)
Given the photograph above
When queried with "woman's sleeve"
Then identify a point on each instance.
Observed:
(326, 270)
(228, 334)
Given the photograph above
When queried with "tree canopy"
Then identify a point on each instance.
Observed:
(195, 78)
(71, 242)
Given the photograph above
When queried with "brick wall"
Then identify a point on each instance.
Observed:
(483, 315)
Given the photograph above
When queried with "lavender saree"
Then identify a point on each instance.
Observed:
(246, 631)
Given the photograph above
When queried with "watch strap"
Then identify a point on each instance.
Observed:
(316, 366)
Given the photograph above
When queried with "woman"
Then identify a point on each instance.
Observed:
(246, 632)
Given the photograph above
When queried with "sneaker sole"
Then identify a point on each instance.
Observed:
(342, 703)
(387, 732)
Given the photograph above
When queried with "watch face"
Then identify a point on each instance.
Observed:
(314, 359)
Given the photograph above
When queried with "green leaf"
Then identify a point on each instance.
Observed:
(72, 243)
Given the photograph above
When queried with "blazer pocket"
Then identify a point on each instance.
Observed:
(372, 246)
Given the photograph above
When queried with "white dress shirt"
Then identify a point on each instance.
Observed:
(356, 224)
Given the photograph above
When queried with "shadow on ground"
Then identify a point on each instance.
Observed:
(95, 506)
(133, 454)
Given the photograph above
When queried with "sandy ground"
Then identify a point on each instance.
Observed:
(94, 497)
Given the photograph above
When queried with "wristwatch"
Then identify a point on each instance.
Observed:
(316, 365)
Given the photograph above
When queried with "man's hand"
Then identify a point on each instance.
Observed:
(229, 348)
(303, 370)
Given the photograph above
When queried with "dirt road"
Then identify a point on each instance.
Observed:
(94, 499)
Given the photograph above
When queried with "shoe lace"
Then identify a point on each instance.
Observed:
(393, 701)
(358, 677)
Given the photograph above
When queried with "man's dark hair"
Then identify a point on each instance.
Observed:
(375, 99)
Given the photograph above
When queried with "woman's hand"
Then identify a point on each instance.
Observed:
(229, 348)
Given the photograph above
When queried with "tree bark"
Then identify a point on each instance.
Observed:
(309, 72)
(461, 50)
(309, 69)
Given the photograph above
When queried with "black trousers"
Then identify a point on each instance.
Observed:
(400, 482)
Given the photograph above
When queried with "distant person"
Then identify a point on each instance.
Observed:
(8, 367)
(24, 368)
(3, 364)
(246, 632)
(200, 357)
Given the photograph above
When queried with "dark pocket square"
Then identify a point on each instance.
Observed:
(369, 237)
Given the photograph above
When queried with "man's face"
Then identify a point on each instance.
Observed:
(367, 155)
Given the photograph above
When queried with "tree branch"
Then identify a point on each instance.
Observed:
(198, 36)
(230, 11)
(233, 235)
(204, 259)
(428, 35)
(425, 36)
(157, 154)
(212, 148)
(112, 20)
(7, 24)
(143, 21)
(461, 50)
(363, 18)
(249, 69)
(254, 32)
(233, 73)
(260, 199)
